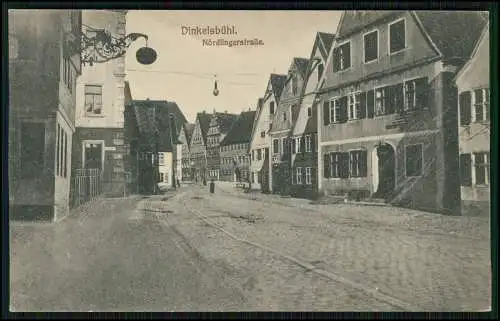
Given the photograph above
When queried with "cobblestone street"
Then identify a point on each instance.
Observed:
(193, 251)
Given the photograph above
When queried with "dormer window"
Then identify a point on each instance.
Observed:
(342, 57)
(320, 71)
(271, 108)
(397, 36)
(294, 85)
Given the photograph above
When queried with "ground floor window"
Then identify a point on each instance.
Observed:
(482, 168)
(414, 160)
(298, 173)
(308, 175)
(160, 177)
(465, 170)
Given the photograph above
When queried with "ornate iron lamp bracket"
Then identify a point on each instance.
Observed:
(98, 45)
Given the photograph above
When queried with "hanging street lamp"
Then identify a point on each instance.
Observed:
(99, 46)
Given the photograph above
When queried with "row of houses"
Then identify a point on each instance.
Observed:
(392, 107)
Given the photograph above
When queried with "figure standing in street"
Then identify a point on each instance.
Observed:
(212, 186)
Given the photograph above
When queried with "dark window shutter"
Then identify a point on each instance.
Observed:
(326, 165)
(362, 105)
(347, 55)
(302, 144)
(344, 165)
(314, 143)
(363, 165)
(370, 103)
(465, 108)
(422, 92)
(465, 170)
(343, 109)
(397, 99)
(293, 145)
(336, 60)
(304, 175)
(326, 113)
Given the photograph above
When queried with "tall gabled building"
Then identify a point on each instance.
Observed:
(389, 118)
(304, 163)
(234, 156)
(260, 142)
(185, 159)
(198, 147)
(473, 83)
(282, 123)
(220, 124)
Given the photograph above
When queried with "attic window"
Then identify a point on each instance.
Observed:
(271, 108)
(294, 85)
(397, 36)
(309, 112)
(370, 41)
(320, 71)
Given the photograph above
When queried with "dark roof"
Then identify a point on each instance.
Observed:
(188, 130)
(352, 21)
(241, 130)
(204, 119)
(454, 33)
(225, 121)
(327, 39)
(301, 64)
(277, 83)
(153, 117)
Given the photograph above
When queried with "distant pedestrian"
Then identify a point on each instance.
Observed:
(212, 186)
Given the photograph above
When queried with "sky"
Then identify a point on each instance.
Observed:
(185, 69)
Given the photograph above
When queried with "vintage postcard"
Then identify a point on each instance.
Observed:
(176, 160)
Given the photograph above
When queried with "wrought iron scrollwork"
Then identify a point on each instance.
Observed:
(98, 45)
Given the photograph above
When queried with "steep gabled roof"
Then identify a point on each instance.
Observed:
(127, 93)
(482, 38)
(241, 130)
(153, 118)
(188, 131)
(301, 64)
(353, 21)
(225, 121)
(327, 40)
(258, 112)
(454, 33)
(204, 120)
(277, 84)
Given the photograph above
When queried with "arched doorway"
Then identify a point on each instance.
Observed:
(386, 170)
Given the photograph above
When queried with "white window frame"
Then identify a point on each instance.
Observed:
(91, 113)
(308, 175)
(364, 46)
(384, 107)
(423, 159)
(297, 145)
(352, 115)
(415, 93)
(342, 69)
(308, 143)
(161, 159)
(332, 110)
(352, 152)
(298, 175)
(389, 38)
(309, 108)
(331, 157)
(486, 101)
(486, 166)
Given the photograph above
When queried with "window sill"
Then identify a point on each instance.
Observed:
(343, 70)
(95, 115)
(418, 176)
(397, 52)
(371, 61)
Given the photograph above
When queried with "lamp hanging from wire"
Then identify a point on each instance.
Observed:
(98, 46)
(216, 91)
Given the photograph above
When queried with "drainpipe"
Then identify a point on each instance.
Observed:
(319, 118)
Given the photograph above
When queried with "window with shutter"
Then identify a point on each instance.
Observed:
(275, 146)
(344, 165)
(336, 59)
(343, 113)
(370, 103)
(482, 168)
(465, 170)
(357, 163)
(380, 101)
(326, 113)
(326, 165)
(422, 92)
(362, 105)
(465, 108)
(302, 144)
(294, 147)
(305, 175)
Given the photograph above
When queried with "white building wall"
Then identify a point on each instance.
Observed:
(166, 168)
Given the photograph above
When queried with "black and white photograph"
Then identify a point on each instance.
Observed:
(248, 160)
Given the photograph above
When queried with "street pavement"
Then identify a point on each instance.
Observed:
(231, 251)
